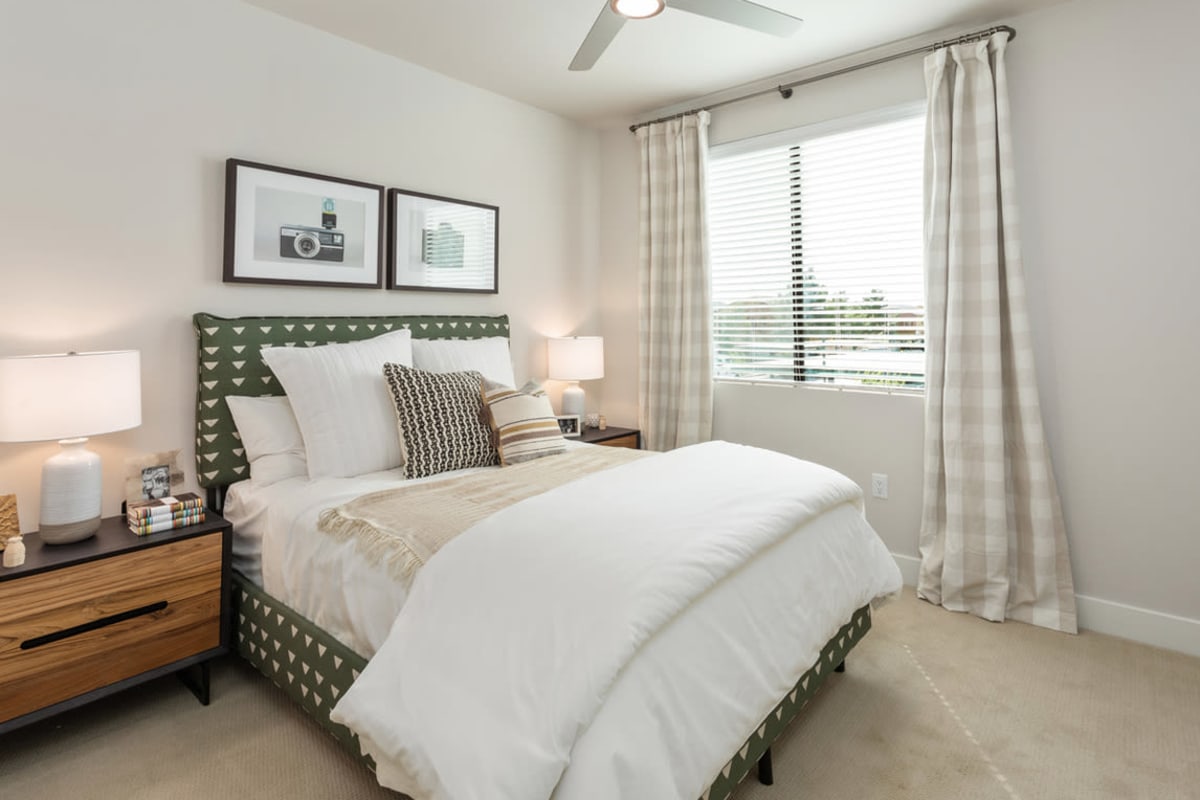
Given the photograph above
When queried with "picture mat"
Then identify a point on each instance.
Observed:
(421, 230)
(364, 268)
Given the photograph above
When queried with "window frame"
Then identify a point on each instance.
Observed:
(792, 138)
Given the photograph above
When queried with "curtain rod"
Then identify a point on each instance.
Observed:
(785, 89)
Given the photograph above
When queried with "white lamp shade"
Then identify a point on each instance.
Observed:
(70, 395)
(575, 358)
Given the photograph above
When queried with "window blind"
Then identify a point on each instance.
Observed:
(816, 248)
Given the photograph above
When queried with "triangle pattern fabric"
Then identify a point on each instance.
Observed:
(312, 667)
(228, 362)
(780, 717)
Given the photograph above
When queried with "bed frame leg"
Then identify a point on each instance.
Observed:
(766, 775)
(840, 667)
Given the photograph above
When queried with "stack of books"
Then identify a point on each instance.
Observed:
(177, 511)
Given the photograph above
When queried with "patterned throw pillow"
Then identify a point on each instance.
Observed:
(441, 420)
(523, 421)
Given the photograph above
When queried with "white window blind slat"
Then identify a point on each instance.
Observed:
(816, 249)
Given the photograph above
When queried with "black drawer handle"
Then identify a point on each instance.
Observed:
(103, 622)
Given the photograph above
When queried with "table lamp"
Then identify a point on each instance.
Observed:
(575, 359)
(69, 397)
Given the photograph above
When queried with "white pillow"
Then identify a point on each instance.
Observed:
(489, 356)
(342, 403)
(274, 446)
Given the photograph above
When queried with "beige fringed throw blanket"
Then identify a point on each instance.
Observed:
(402, 528)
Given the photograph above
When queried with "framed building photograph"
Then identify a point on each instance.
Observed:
(285, 226)
(570, 426)
(438, 244)
(152, 476)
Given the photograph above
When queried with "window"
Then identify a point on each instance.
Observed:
(816, 245)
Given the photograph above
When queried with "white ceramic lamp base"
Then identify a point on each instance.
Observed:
(71, 494)
(572, 400)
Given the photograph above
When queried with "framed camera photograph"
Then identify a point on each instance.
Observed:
(299, 228)
(152, 475)
(438, 244)
(570, 426)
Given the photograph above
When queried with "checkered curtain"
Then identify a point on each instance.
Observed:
(675, 375)
(993, 541)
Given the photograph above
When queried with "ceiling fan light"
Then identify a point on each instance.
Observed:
(637, 9)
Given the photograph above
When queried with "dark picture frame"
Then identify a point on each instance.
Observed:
(287, 226)
(439, 244)
(570, 425)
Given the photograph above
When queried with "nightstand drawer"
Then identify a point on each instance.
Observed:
(68, 631)
(613, 437)
(629, 440)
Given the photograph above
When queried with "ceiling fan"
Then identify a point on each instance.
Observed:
(742, 13)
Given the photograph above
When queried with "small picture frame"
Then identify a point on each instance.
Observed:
(151, 476)
(285, 226)
(570, 426)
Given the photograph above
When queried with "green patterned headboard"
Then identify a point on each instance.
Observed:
(228, 360)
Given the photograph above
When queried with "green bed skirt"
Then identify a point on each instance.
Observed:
(311, 666)
(314, 669)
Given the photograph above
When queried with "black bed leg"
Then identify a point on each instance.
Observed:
(840, 667)
(766, 775)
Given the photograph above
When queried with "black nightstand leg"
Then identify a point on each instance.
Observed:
(196, 679)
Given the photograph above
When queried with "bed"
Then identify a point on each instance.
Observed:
(310, 646)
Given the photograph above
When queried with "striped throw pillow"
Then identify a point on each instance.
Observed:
(523, 422)
(441, 420)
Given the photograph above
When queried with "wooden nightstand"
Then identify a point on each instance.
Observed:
(80, 621)
(613, 437)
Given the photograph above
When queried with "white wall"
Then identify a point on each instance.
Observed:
(118, 118)
(1106, 126)
(618, 292)
(1107, 168)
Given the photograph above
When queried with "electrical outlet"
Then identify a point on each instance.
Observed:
(879, 485)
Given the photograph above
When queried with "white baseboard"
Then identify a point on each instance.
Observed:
(909, 568)
(1139, 624)
(1154, 628)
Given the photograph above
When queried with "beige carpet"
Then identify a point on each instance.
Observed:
(933, 705)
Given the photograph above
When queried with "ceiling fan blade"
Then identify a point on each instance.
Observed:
(594, 44)
(742, 13)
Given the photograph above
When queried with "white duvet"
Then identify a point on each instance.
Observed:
(276, 545)
(621, 636)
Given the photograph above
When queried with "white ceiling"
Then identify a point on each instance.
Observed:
(521, 48)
